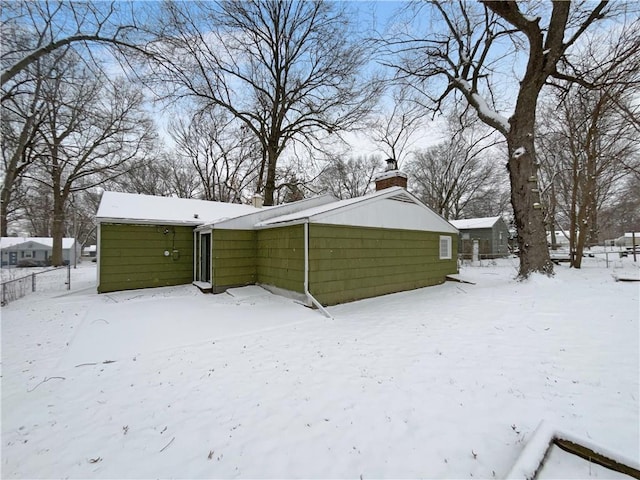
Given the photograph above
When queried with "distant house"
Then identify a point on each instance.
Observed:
(562, 238)
(491, 234)
(626, 240)
(319, 250)
(90, 251)
(35, 250)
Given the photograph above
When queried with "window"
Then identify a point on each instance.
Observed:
(445, 247)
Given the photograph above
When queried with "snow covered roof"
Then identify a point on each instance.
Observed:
(249, 220)
(8, 242)
(390, 174)
(401, 210)
(137, 208)
(469, 223)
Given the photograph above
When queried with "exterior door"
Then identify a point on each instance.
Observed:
(205, 257)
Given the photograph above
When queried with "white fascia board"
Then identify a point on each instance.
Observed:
(297, 221)
(137, 221)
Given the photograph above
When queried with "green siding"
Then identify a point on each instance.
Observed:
(132, 256)
(280, 257)
(492, 242)
(351, 263)
(234, 258)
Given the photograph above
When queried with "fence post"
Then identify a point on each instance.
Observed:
(33, 282)
(69, 276)
(4, 295)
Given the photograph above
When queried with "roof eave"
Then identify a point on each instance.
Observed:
(137, 221)
(287, 223)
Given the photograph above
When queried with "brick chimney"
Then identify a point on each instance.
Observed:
(391, 177)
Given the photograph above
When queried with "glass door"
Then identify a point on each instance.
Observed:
(205, 258)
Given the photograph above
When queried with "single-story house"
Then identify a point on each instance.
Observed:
(627, 240)
(90, 251)
(35, 250)
(320, 250)
(491, 234)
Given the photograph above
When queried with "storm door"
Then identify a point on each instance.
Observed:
(205, 257)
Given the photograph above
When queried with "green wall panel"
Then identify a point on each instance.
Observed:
(234, 258)
(351, 263)
(132, 256)
(280, 257)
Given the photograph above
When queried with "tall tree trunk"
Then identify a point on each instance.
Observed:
(270, 184)
(552, 216)
(525, 197)
(5, 197)
(57, 230)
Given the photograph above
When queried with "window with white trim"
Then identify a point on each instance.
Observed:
(445, 247)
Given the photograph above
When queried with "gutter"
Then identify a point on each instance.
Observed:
(306, 273)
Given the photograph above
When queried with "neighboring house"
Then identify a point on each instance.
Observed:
(562, 238)
(35, 250)
(491, 233)
(626, 240)
(318, 249)
(90, 251)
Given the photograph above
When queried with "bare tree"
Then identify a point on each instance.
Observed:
(21, 117)
(622, 213)
(588, 143)
(23, 111)
(37, 206)
(36, 37)
(450, 175)
(222, 153)
(396, 127)
(93, 128)
(161, 173)
(467, 51)
(55, 25)
(289, 71)
(581, 154)
(349, 178)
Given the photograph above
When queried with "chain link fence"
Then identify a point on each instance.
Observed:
(51, 279)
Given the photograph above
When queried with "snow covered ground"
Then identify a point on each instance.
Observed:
(442, 382)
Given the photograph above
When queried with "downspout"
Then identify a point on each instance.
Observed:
(306, 273)
(98, 254)
(195, 255)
